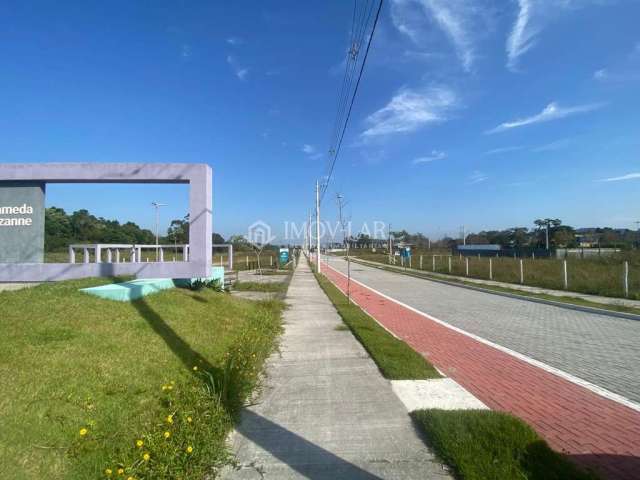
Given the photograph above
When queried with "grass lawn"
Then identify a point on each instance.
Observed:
(395, 359)
(84, 379)
(277, 287)
(480, 445)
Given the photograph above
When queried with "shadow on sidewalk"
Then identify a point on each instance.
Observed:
(301, 455)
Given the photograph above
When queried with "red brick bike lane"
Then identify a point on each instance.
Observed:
(594, 431)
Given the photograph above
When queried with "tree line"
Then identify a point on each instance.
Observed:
(62, 229)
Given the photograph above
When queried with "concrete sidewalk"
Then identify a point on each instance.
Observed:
(325, 411)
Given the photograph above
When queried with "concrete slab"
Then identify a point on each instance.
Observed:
(442, 393)
(325, 411)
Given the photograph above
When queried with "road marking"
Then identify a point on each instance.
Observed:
(603, 392)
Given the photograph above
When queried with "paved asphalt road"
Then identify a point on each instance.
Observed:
(600, 349)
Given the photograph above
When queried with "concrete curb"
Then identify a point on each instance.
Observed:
(568, 306)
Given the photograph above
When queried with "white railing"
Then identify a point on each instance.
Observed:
(114, 251)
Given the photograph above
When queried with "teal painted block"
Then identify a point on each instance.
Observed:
(135, 289)
(128, 291)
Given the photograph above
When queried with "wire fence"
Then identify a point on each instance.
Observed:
(614, 276)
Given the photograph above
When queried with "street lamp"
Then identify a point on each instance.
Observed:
(157, 206)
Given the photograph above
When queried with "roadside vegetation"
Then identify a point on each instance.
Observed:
(276, 287)
(595, 276)
(395, 359)
(479, 445)
(513, 291)
(149, 389)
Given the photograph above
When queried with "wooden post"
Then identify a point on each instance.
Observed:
(466, 261)
(409, 261)
(449, 263)
(433, 261)
(626, 278)
(564, 274)
(490, 269)
(521, 272)
(420, 262)
(246, 261)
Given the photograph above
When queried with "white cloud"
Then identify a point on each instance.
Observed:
(533, 16)
(522, 36)
(477, 177)
(185, 51)
(435, 155)
(456, 19)
(629, 176)
(497, 151)
(553, 111)
(235, 41)
(240, 71)
(408, 110)
(311, 151)
(601, 74)
(556, 145)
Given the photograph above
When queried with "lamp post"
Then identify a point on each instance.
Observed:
(157, 206)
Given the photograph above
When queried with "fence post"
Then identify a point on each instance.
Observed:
(409, 261)
(72, 255)
(626, 278)
(271, 261)
(533, 255)
(564, 273)
(490, 269)
(433, 261)
(246, 261)
(449, 264)
(466, 261)
(420, 262)
(521, 272)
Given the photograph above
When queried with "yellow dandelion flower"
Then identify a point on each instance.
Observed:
(173, 382)
(195, 368)
(170, 419)
(83, 432)
(108, 472)
(167, 434)
(189, 419)
(189, 449)
(146, 457)
(139, 443)
(169, 387)
(164, 387)
(130, 478)
(121, 471)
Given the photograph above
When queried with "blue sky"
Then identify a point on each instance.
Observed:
(483, 113)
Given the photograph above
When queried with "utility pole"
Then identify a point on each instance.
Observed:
(341, 204)
(157, 207)
(318, 225)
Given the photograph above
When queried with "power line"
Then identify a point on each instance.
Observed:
(334, 151)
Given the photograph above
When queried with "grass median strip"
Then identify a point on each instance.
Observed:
(478, 445)
(144, 389)
(395, 359)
